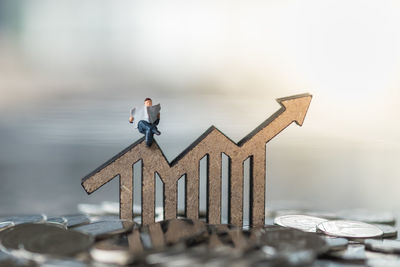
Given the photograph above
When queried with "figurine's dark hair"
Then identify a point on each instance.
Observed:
(147, 98)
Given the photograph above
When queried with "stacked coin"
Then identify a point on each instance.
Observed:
(41, 240)
(337, 228)
(312, 238)
(348, 234)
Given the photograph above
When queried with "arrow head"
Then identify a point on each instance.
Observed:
(296, 106)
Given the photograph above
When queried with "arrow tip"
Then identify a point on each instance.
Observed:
(297, 105)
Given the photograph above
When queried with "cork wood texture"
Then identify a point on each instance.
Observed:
(210, 144)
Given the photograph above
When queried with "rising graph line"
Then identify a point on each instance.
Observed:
(212, 143)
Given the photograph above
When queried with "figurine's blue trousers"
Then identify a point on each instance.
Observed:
(148, 129)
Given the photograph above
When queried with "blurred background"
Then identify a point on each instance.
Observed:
(70, 71)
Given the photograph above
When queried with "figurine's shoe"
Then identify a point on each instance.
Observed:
(157, 132)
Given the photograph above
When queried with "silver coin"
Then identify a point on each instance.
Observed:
(315, 213)
(5, 225)
(196, 256)
(40, 240)
(293, 247)
(179, 230)
(267, 257)
(382, 259)
(383, 262)
(349, 229)
(331, 263)
(4, 256)
(18, 219)
(336, 243)
(57, 220)
(388, 230)
(352, 253)
(111, 252)
(145, 238)
(61, 263)
(76, 220)
(171, 232)
(105, 228)
(7, 260)
(300, 222)
(382, 217)
(287, 241)
(386, 246)
(322, 214)
(99, 218)
(174, 257)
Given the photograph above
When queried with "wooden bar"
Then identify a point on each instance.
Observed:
(126, 194)
(236, 192)
(148, 194)
(170, 198)
(192, 193)
(257, 189)
(214, 188)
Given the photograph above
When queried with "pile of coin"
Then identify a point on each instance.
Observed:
(363, 237)
(291, 238)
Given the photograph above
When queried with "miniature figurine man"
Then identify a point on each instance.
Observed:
(146, 120)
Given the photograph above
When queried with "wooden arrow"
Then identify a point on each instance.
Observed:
(212, 143)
